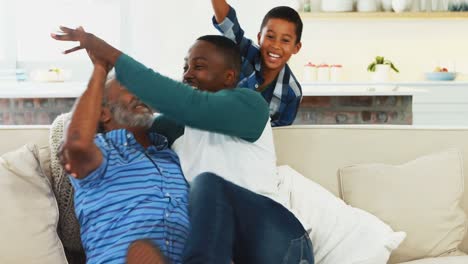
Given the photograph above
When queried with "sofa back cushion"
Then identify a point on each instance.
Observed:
(28, 211)
(421, 197)
(317, 152)
(339, 233)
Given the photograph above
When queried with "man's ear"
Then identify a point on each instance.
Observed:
(106, 115)
(230, 78)
(259, 36)
(297, 48)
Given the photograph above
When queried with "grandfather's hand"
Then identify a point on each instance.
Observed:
(64, 160)
(96, 47)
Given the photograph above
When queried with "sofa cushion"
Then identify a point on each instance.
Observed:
(421, 197)
(442, 260)
(29, 212)
(339, 233)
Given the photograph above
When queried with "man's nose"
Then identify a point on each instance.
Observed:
(187, 75)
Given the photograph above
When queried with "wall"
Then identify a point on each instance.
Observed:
(162, 32)
(415, 46)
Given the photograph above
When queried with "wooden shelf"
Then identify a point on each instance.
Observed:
(384, 15)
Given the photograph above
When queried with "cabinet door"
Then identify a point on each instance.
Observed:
(441, 106)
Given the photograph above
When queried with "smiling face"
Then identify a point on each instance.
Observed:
(123, 110)
(277, 42)
(207, 69)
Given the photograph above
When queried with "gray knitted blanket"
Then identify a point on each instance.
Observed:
(68, 226)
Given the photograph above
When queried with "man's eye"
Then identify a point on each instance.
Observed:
(270, 36)
(199, 67)
(286, 40)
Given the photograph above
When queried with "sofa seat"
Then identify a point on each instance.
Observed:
(442, 260)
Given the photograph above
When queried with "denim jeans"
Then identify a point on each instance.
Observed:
(230, 223)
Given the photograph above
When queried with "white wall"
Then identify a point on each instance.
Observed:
(415, 46)
(162, 32)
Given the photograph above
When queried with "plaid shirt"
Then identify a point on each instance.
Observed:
(284, 94)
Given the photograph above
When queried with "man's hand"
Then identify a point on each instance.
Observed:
(96, 47)
(64, 160)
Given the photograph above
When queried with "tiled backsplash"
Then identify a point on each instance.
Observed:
(33, 111)
(355, 110)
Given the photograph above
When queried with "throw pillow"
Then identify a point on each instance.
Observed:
(339, 233)
(421, 197)
(28, 213)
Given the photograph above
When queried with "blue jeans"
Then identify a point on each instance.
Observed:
(230, 223)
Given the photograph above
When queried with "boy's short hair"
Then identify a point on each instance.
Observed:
(285, 13)
(229, 49)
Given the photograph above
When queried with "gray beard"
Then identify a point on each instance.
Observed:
(126, 118)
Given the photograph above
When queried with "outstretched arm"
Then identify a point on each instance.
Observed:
(238, 112)
(221, 9)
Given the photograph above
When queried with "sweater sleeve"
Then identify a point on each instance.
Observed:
(236, 112)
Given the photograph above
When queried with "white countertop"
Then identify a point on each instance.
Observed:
(75, 89)
(372, 88)
(359, 90)
(41, 89)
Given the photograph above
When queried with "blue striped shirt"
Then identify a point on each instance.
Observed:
(285, 93)
(134, 194)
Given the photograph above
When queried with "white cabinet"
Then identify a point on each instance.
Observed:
(442, 105)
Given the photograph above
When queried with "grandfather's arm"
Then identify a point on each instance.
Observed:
(81, 154)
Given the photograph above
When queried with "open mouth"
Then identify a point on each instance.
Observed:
(142, 107)
(273, 55)
(192, 84)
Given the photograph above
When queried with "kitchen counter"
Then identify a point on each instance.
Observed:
(433, 103)
(75, 89)
(41, 89)
(373, 89)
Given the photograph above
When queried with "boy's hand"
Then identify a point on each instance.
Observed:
(221, 9)
(97, 47)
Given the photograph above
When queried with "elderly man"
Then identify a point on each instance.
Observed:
(128, 184)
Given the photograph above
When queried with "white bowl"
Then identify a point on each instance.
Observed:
(440, 76)
(337, 5)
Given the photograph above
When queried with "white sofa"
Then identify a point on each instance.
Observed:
(318, 152)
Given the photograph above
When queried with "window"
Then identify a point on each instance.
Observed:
(7, 47)
(27, 25)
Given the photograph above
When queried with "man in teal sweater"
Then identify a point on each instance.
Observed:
(224, 131)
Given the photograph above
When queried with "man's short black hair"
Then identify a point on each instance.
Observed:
(229, 49)
(285, 13)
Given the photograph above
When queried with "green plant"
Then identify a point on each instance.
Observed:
(381, 60)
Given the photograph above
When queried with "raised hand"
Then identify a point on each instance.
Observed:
(96, 47)
(69, 34)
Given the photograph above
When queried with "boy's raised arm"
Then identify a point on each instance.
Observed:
(221, 9)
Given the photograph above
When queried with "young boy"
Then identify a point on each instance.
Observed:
(264, 67)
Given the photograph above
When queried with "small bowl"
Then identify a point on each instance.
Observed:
(440, 76)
